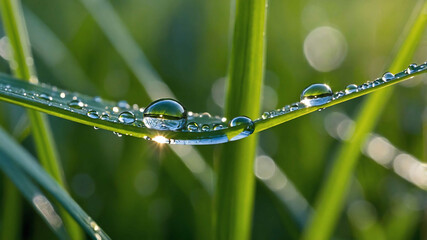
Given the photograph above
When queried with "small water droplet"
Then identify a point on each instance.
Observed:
(378, 81)
(192, 127)
(388, 76)
(126, 117)
(363, 87)
(46, 97)
(97, 99)
(62, 95)
(206, 128)
(265, 115)
(286, 109)
(105, 116)
(411, 68)
(205, 115)
(75, 103)
(93, 114)
(218, 127)
(165, 114)
(294, 107)
(339, 94)
(316, 94)
(352, 88)
(118, 134)
(115, 109)
(95, 127)
(123, 104)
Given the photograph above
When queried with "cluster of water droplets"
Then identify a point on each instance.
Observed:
(320, 94)
(168, 115)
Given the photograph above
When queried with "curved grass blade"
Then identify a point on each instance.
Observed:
(33, 195)
(333, 193)
(105, 114)
(27, 164)
(22, 65)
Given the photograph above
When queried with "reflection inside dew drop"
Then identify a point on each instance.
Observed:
(45, 97)
(192, 127)
(93, 114)
(242, 120)
(411, 68)
(316, 94)
(165, 114)
(75, 103)
(206, 128)
(388, 76)
(126, 117)
(352, 88)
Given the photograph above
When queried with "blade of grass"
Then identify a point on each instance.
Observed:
(22, 65)
(332, 194)
(11, 214)
(235, 184)
(24, 162)
(33, 195)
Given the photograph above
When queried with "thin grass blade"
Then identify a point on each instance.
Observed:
(332, 195)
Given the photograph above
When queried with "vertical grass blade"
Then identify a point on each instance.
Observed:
(332, 195)
(22, 65)
(11, 214)
(235, 184)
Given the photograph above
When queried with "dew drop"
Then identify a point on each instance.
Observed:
(316, 94)
(363, 87)
(339, 94)
(75, 103)
(62, 95)
(165, 114)
(93, 114)
(388, 76)
(218, 127)
(45, 97)
(123, 104)
(205, 115)
(352, 88)
(126, 117)
(97, 99)
(95, 127)
(118, 134)
(378, 81)
(206, 128)
(105, 116)
(411, 68)
(242, 120)
(294, 107)
(192, 127)
(265, 115)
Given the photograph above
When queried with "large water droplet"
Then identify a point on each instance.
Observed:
(75, 103)
(126, 117)
(242, 120)
(93, 114)
(388, 76)
(165, 114)
(316, 94)
(352, 88)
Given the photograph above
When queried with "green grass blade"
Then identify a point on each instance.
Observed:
(11, 214)
(56, 102)
(33, 195)
(235, 185)
(332, 195)
(22, 64)
(25, 162)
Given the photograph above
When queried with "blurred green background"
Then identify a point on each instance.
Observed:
(137, 189)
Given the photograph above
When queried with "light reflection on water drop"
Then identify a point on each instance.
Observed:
(352, 88)
(126, 117)
(388, 76)
(165, 114)
(242, 120)
(93, 114)
(316, 94)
